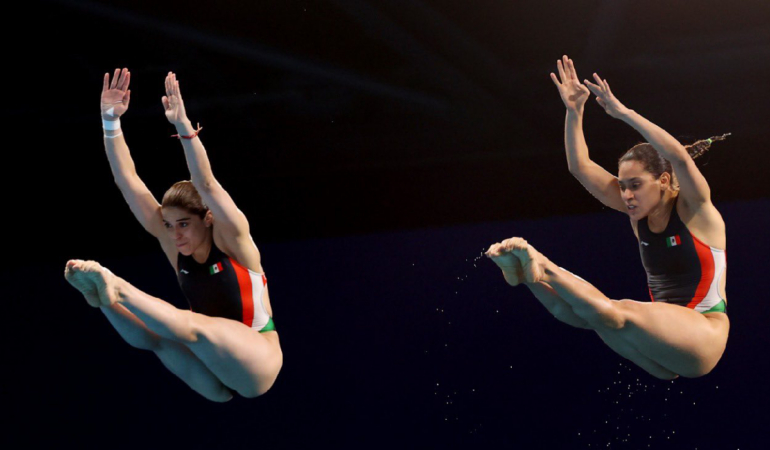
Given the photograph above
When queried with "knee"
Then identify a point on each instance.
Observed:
(192, 329)
(611, 315)
(623, 313)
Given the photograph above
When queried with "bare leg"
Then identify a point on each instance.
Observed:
(560, 309)
(176, 357)
(663, 339)
(240, 357)
(513, 272)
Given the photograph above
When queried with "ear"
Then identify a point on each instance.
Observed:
(665, 180)
(208, 219)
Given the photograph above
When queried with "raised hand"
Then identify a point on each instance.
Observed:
(172, 101)
(573, 94)
(606, 99)
(115, 95)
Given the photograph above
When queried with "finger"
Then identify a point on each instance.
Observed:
(164, 100)
(565, 63)
(121, 79)
(127, 98)
(601, 102)
(125, 81)
(597, 90)
(106, 84)
(607, 86)
(562, 75)
(555, 80)
(168, 84)
(599, 81)
(115, 79)
(573, 71)
(178, 92)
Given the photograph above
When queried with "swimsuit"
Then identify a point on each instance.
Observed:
(680, 268)
(221, 287)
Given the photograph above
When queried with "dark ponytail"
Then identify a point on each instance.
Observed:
(656, 164)
(697, 149)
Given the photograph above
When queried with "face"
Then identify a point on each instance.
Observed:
(187, 230)
(639, 189)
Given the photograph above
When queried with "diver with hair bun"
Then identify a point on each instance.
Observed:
(682, 242)
(227, 340)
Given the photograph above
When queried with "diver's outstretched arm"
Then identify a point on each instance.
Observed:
(600, 183)
(228, 217)
(114, 103)
(693, 186)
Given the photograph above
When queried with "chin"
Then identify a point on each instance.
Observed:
(637, 214)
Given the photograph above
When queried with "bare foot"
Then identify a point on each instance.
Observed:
(513, 271)
(96, 283)
(529, 258)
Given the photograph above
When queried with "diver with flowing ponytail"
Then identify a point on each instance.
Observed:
(682, 242)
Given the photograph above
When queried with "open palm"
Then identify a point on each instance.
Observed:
(115, 94)
(606, 98)
(172, 101)
(573, 94)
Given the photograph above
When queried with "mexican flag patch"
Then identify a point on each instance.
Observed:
(673, 241)
(216, 268)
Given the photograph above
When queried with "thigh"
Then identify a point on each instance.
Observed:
(241, 357)
(625, 349)
(680, 339)
(182, 362)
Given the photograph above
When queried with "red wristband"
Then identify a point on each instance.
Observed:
(178, 136)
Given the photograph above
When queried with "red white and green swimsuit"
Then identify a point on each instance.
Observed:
(221, 287)
(680, 268)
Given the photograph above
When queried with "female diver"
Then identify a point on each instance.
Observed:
(227, 340)
(681, 240)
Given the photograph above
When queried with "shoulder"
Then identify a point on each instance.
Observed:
(704, 222)
(240, 248)
(687, 209)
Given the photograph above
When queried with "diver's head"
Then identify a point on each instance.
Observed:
(644, 177)
(186, 218)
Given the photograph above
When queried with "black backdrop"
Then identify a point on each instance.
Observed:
(376, 149)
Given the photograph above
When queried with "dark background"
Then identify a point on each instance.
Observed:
(377, 148)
